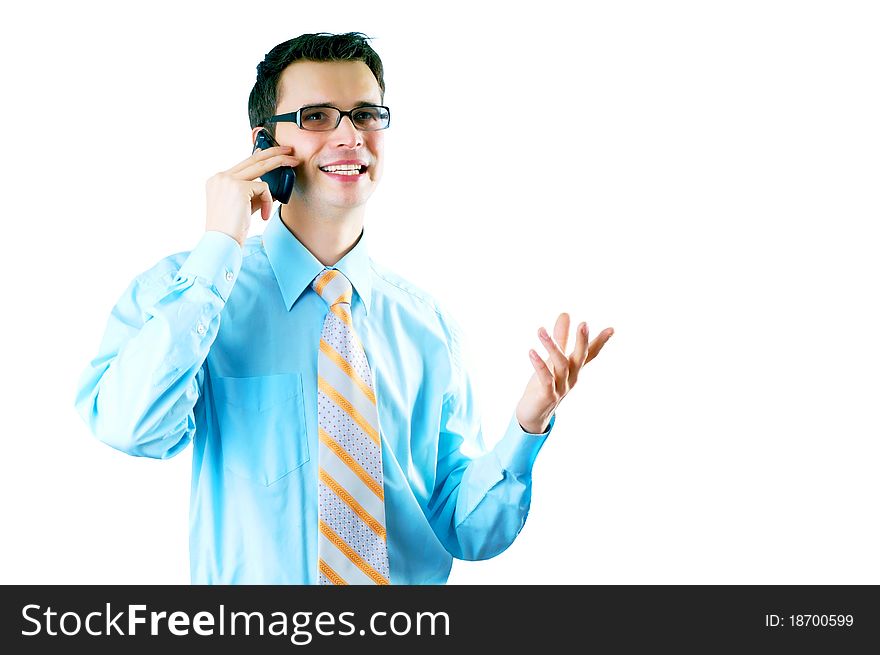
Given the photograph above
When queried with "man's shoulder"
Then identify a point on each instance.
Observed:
(401, 289)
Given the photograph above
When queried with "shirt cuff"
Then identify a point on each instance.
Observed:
(216, 259)
(518, 449)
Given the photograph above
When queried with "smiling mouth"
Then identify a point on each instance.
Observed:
(354, 172)
(346, 177)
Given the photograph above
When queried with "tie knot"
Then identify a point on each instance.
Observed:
(332, 285)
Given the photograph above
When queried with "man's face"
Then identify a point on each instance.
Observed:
(341, 84)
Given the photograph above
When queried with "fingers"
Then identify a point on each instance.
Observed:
(262, 161)
(598, 342)
(579, 356)
(260, 155)
(563, 371)
(266, 205)
(558, 358)
(262, 196)
(262, 167)
(543, 373)
(560, 332)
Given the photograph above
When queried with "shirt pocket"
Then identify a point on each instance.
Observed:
(262, 425)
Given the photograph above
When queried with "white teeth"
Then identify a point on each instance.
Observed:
(342, 167)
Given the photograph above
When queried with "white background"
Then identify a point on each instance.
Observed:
(711, 192)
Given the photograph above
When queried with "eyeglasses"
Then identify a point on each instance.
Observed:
(323, 119)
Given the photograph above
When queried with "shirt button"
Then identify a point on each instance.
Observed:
(201, 329)
(229, 276)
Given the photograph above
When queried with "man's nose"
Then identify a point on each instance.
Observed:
(348, 133)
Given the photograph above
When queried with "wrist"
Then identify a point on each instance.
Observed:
(534, 428)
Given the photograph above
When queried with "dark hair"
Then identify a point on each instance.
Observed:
(351, 46)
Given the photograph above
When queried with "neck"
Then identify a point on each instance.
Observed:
(328, 235)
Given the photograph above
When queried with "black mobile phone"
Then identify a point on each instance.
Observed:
(281, 179)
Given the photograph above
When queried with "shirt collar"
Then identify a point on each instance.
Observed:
(295, 267)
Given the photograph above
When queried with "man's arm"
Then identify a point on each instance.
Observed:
(481, 497)
(481, 504)
(138, 394)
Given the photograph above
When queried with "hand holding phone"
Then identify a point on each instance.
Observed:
(281, 179)
(235, 194)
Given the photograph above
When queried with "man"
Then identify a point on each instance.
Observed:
(335, 433)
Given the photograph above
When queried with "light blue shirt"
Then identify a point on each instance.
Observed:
(218, 347)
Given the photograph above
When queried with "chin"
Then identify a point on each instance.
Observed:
(346, 202)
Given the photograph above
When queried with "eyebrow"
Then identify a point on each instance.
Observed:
(360, 103)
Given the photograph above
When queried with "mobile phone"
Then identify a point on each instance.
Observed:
(281, 179)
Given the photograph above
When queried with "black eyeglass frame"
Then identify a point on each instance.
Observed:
(296, 117)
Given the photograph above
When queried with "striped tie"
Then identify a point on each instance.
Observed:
(352, 547)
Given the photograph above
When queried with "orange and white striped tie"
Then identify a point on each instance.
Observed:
(352, 547)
